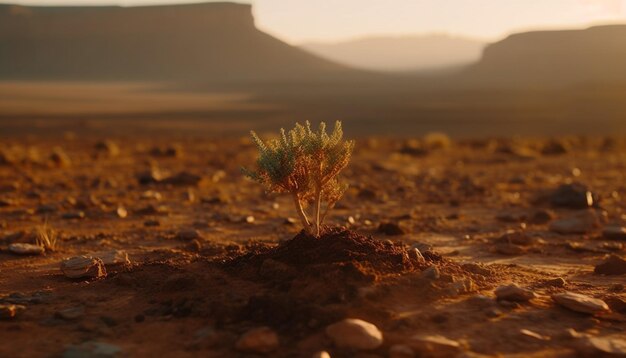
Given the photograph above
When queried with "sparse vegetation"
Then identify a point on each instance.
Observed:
(46, 237)
(305, 164)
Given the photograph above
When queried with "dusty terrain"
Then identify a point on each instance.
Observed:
(205, 267)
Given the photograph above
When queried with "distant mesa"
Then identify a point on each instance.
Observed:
(215, 42)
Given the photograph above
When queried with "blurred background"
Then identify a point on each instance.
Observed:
(403, 68)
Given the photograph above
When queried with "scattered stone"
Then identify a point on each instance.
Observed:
(10, 311)
(573, 196)
(462, 286)
(580, 223)
(73, 215)
(554, 147)
(476, 268)
(108, 148)
(431, 273)
(612, 265)
(59, 158)
(514, 293)
(154, 210)
(355, 334)
(604, 346)
(535, 335)
(261, 340)
(614, 233)
(321, 354)
(71, 314)
(170, 151)
(556, 282)
(390, 229)
(26, 249)
(92, 349)
(422, 247)
(401, 351)
(416, 256)
(188, 235)
(151, 176)
(249, 219)
(580, 303)
(541, 217)
(183, 178)
(151, 194)
(517, 238)
(121, 212)
(434, 346)
(616, 303)
(83, 267)
(112, 258)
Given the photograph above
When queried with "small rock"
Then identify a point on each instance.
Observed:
(355, 334)
(434, 346)
(416, 256)
(616, 303)
(108, 148)
(509, 249)
(541, 217)
(554, 147)
(59, 158)
(183, 178)
(258, 340)
(10, 311)
(430, 273)
(573, 196)
(604, 346)
(112, 258)
(535, 335)
(73, 215)
(26, 249)
(614, 233)
(401, 351)
(121, 212)
(249, 219)
(83, 267)
(580, 223)
(476, 268)
(151, 176)
(556, 282)
(71, 314)
(92, 349)
(580, 303)
(612, 265)
(390, 229)
(188, 235)
(514, 293)
(321, 354)
(151, 194)
(462, 286)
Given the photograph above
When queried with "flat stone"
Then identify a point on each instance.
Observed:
(10, 311)
(580, 303)
(605, 346)
(573, 196)
(580, 223)
(83, 267)
(354, 333)
(434, 346)
(515, 293)
(614, 232)
(612, 265)
(258, 340)
(26, 249)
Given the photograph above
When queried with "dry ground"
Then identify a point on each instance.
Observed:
(179, 298)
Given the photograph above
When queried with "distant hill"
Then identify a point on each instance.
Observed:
(596, 55)
(404, 53)
(215, 42)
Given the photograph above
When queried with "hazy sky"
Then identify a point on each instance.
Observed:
(299, 21)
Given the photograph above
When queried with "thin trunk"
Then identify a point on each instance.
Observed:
(329, 206)
(301, 214)
(318, 209)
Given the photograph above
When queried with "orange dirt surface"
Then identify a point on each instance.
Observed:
(212, 256)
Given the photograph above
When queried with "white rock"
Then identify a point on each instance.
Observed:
(258, 340)
(401, 351)
(26, 249)
(580, 303)
(355, 334)
(83, 267)
(513, 292)
(434, 346)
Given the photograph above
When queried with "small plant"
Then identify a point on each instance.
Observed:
(46, 237)
(305, 164)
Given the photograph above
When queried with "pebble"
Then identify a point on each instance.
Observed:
(92, 349)
(416, 256)
(354, 333)
(59, 158)
(188, 235)
(604, 346)
(73, 215)
(26, 249)
(614, 232)
(10, 311)
(321, 354)
(83, 267)
(112, 258)
(535, 335)
(431, 273)
(580, 303)
(261, 340)
(121, 212)
(108, 147)
(580, 223)
(573, 196)
(556, 282)
(541, 217)
(612, 265)
(515, 293)
(401, 351)
(390, 229)
(434, 346)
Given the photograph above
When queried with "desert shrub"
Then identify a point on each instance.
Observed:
(46, 237)
(305, 164)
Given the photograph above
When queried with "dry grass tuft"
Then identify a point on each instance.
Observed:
(46, 237)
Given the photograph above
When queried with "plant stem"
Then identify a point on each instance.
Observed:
(318, 207)
(301, 213)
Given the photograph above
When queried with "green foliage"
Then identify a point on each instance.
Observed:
(304, 163)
